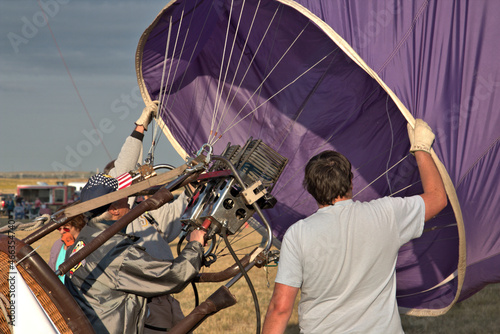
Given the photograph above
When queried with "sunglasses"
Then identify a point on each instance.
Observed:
(64, 229)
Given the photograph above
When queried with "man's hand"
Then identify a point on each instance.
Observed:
(147, 115)
(421, 137)
(198, 235)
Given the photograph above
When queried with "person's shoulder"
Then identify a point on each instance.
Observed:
(56, 245)
(300, 224)
(396, 205)
(294, 227)
(391, 200)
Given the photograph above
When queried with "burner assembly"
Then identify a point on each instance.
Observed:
(239, 179)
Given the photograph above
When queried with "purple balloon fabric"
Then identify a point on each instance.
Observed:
(274, 74)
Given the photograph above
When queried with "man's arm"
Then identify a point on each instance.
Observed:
(131, 151)
(139, 128)
(280, 309)
(434, 196)
(140, 273)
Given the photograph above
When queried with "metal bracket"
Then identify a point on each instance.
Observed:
(146, 171)
(249, 194)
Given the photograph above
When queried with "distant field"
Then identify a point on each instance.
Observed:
(9, 185)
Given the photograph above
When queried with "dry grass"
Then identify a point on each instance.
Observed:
(476, 315)
(240, 318)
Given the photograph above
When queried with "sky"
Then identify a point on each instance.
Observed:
(67, 73)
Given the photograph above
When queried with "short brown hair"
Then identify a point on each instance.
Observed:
(328, 176)
(77, 221)
(109, 167)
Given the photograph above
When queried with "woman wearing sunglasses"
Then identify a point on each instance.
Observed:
(69, 233)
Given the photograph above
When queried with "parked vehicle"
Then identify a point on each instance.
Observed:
(52, 196)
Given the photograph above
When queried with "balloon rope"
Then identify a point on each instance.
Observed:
(276, 191)
(164, 97)
(155, 132)
(226, 108)
(283, 184)
(443, 282)
(384, 173)
(272, 96)
(403, 189)
(235, 239)
(46, 21)
(180, 54)
(230, 56)
(251, 61)
(309, 95)
(165, 104)
(194, 47)
(292, 122)
(264, 80)
(219, 89)
(270, 51)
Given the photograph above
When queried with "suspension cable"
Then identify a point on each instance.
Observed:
(392, 143)
(384, 173)
(223, 75)
(214, 113)
(155, 128)
(224, 109)
(264, 80)
(165, 97)
(251, 61)
(230, 54)
(270, 98)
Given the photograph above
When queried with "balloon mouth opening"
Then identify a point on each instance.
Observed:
(289, 83)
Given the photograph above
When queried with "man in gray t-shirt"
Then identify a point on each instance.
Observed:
(343, 256)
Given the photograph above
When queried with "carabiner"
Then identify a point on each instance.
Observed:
(208, 149)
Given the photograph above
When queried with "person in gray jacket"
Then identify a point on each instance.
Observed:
(155, 229)
(158, 228)
(113, 283)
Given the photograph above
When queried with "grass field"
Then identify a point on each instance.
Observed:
(478, 314)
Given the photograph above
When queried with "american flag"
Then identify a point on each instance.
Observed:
(124, 180)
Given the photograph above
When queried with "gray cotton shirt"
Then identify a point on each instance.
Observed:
(343, 259)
